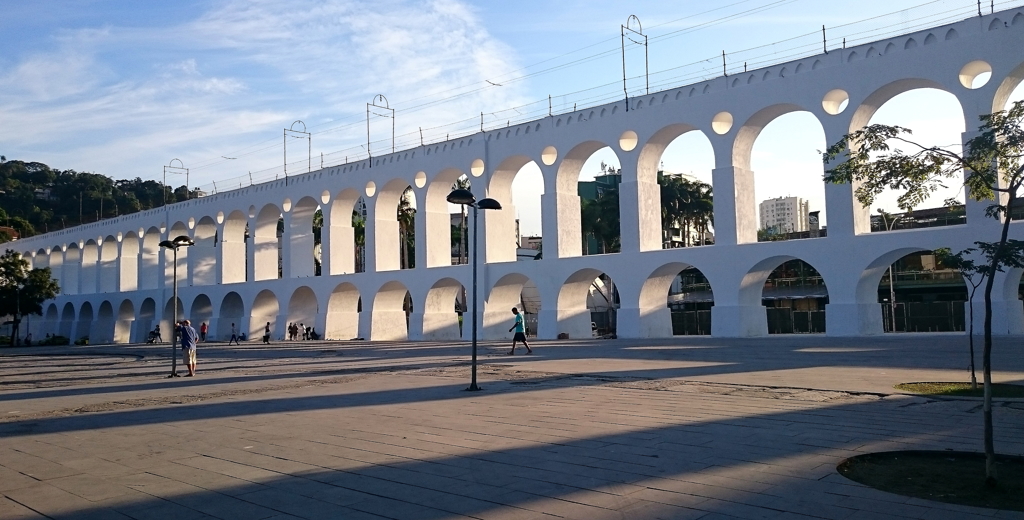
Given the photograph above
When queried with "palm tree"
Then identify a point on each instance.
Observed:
(462, 183)
(359, 229)
(406, 229)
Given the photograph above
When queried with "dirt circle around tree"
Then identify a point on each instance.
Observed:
(953, 477)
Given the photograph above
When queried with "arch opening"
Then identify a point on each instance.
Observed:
(391, 307)
(149, 270)
(789, 193)
(676, 166)
(303, 310)
(518, 184)
(178, 229)
(343, 312)
(443, 311)
(676, 300)
(67, 321)
(395, 226)
(793, 293)
(920, 294)
(264, 313)
(108, 270)
(267, 261)
(512, 290)
(146, 319)
(201, 312)
(234, 246)
(588, 304)
(70, 274)
(204, 253)
(125, 323)
(304, 238)
(129, 276)
(232, 310)
(89, 279)
(936, 118)
(347, 233)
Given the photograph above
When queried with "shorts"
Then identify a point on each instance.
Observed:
(520, 336)
(189, 355)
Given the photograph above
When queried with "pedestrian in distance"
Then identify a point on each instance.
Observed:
(234, 335)
(203, 329)
(520, 333)
(188, 346)
(266, 334)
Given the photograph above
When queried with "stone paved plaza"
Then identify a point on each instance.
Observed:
(682, 428)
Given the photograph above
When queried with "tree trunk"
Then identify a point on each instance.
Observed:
(990, 450)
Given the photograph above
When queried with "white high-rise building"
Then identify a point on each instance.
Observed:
(784, 214)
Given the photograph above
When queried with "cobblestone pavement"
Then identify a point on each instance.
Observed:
(682, 428)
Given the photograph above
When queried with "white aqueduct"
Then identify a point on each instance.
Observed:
(116, 280)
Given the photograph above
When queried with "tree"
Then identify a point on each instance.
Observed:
(462, 183)
(23, 290)
(359, 230)
(407, 230)
(992, 170)
(975, 275)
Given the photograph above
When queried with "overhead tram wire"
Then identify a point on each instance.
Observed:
(774, 57)
(501, 78)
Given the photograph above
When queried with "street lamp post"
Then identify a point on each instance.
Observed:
(466, 198)
(173, 245)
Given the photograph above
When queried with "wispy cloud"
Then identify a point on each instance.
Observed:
(115, 98)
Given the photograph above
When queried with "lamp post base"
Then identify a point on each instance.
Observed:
(173, 374)
(474, 388)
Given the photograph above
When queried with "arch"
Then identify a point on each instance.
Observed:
(1007, 86)
(129, 268)
(67, 321)
(389, 321)
(391, 255)
(656, 316)
(201, 311)
(265, 309)
(72, 270)
(889, 47)
(204, 253)
(343, 312)
(342, 234)
(921, 294)
(794, 296)
(146, 319)
(578, 296)
(437, 220)
(234, 258)
(178, 229)
(40, 260)
(89, 279)
(910, 44)
(788, 187)
(996, 23)
(125, 321)
(149, 272)
(930, 39)
(232, 310)
(500, 226)
(108, 265)
(883, 94)
(302, 241)
(83, 328)
(56, 262)
(440, 314)
(934, 105)
(747, 134)
(653, 234)
(267, 245)
(303, 307)
(512, 290)
(952, 34)
(567, 199)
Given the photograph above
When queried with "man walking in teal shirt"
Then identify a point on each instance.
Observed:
(520, 328)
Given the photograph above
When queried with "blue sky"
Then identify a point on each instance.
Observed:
(123, 87)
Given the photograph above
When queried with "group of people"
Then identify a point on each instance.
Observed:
(308, 333)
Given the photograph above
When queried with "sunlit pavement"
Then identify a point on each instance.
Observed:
(683, 428)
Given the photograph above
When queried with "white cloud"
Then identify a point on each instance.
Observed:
(122, 100)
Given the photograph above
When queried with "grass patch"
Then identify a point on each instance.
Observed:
(961, 389)
(943, 476)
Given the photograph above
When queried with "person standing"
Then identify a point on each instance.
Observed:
(188, 346)
(203, 329)
(234, 335)
(520, 328)
(266, 334)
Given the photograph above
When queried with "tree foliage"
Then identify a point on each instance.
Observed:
(688, 206)
(872, 160)
(38, 199)
(23, 290)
